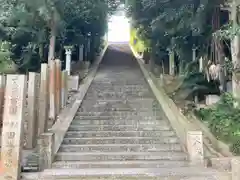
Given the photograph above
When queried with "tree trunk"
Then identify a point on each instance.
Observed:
(53, 34)
(41, 51)
(235, 51)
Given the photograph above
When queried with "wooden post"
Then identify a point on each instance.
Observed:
(195, 147)
(52, 91)
(64, 88)
(31, 120)
(58, 86)
(43, 99)
(2, 90)
(12, 133)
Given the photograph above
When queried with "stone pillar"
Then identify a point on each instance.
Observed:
(195, 147)
(31, 120)
(235, 164)
(68, 59)
(52, 91)
(81, 52)
(194, 56)
(201, 64)
(43, 107)
(12, 132)
(2, 90)
(58, 85)
(45, 150)
(171, 63)
(64, 89)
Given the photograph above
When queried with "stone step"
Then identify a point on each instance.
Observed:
(112, 112)
(108, 116)
(119, 164)
(80, 134)
(175, 173)
(135, 127)
(119, 147)
(121, 140)
(118, 122)
(109, 99)
(94, 109)
(119, 156)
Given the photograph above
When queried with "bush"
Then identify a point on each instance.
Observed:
(223, 120)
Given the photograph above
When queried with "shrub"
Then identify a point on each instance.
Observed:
(223, 120)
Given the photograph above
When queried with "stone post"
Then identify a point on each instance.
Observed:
(64, 89)
(195, 147)
(68, 58)
(43, 107)
(58, 86)
(81, 52)
(194, 54)
(2, 90)
(171, 63)
(52, 91)
(201, 64)
(31, 120)
(235, 164)
(13, 120)
(45, 150)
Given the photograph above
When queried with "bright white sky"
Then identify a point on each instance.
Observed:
(119, 28)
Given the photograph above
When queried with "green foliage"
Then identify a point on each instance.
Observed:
(224, 121)
(29, 25)
(177, 25)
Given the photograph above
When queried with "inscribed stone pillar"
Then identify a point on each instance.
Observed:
(64, 89)
(195, 147)
(52, 91)
(58, 85)
(235, 164)
(68, 59)
(31, 119)
(2, 90)
(12, 132)
(171, 63)
(43, 99)
(45, 150)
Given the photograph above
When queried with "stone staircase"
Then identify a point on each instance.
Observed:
(121, 132)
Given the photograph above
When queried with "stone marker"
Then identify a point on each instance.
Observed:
(64, 89)
(58, 85)
(73, 83)
(68, 59)
(2, 90)
(171, 63)
(235, 163)
(43, 99)
(13, 119)
(52, 91)
(31, 118)
(212, 99)
(195, 147)
(45, 150)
